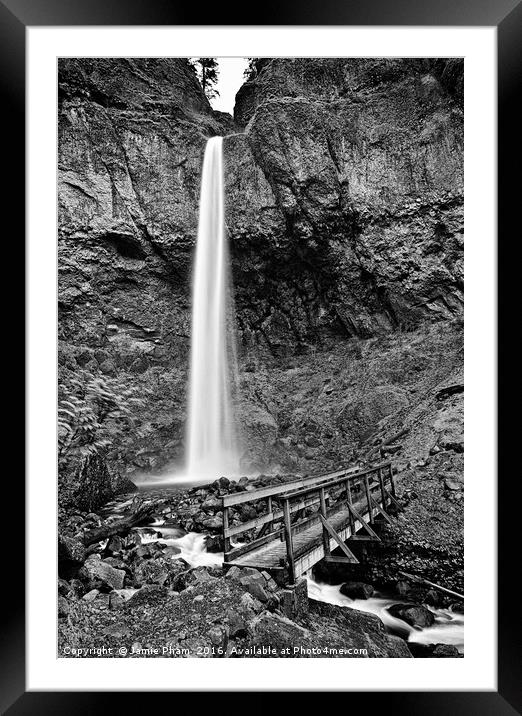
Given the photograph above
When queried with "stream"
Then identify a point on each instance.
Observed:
(448, 627)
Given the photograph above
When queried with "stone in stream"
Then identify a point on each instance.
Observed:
(445, 651)
(115, 544)
(412, 614)
(356, 590)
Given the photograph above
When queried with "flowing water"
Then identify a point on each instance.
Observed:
(211, 436)
(448, 627)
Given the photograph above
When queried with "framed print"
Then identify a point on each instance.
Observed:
(247, 349)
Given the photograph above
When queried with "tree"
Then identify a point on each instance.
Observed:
(250, 70)
(254, 67)
(207, 70)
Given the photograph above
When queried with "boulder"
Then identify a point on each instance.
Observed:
(445, 651)
(160, 570)
(115, 544)
(356, 590)
(213, 523)
(63, 607)
(212, 503)
(413, 614)
(149, 594)
(237, 624)
(97, 571)
(70, 549)
(116, 601)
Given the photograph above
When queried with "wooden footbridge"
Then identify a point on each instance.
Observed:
(299, 523)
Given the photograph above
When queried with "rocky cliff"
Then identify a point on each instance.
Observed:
(344, 211)
(131, 140)
(345, 198)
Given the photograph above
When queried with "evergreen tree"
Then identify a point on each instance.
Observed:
(254, 67)
(207, 70)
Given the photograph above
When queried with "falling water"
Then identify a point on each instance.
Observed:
(212, 449)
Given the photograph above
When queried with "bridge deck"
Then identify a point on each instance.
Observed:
(308, 538)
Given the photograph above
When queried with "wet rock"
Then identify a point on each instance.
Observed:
(356, 590)
(413, 614)
(433, 597)
(214, 543)
(213, 523)
(115, 544)
(430, 651)
(445, 651)
(403, 588)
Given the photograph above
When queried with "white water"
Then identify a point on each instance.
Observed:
(447, 629)
(212, 446)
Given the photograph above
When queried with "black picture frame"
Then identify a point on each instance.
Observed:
(506, 16)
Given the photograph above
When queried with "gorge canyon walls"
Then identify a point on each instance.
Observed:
(344, 190)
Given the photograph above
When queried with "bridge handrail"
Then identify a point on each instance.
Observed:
(332, 483)
(262, 492)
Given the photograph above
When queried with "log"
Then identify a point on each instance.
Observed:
(137, 517)
(421, 580)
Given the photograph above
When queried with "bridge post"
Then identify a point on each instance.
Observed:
(288, 537)
(226, 539)
(392, 481)
(270, 526)
(326, 536)
(350, 502)
(383, 491)
(368, 498)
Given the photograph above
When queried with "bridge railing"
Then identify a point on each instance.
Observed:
(282, 503)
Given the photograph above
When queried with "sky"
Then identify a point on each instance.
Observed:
(229, 81)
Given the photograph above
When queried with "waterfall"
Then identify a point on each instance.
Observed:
(212, 448)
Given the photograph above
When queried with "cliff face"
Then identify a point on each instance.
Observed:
(345, 198)
(344, 210)
(131, 140)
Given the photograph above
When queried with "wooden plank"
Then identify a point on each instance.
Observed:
(255, 544)
(238, 498)
(337, 560)
(315, 488)
(339, 541)
(250, 525)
